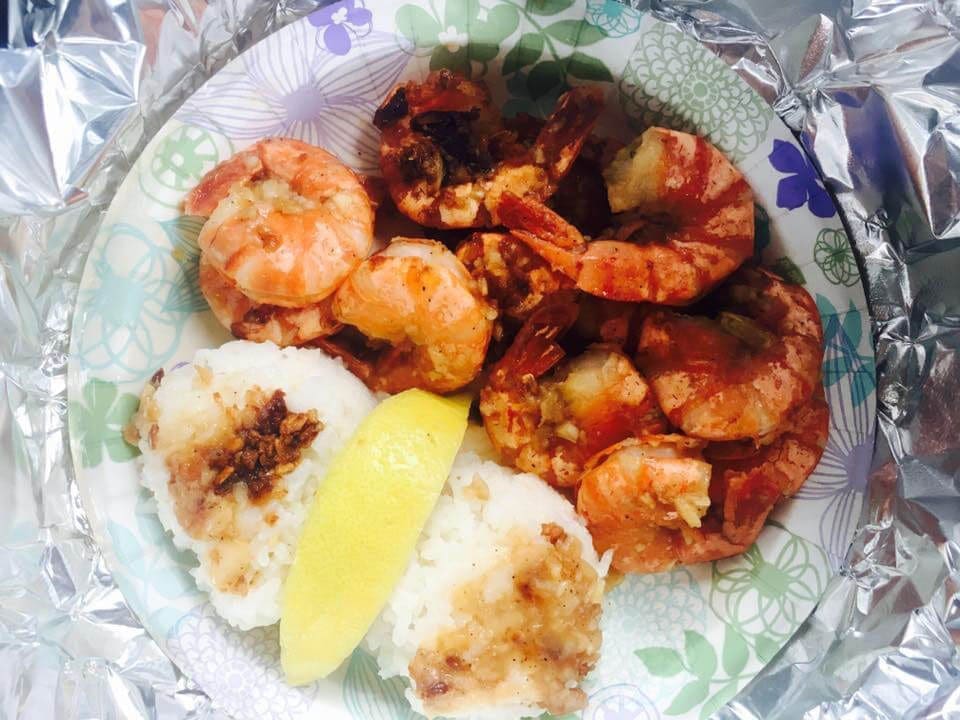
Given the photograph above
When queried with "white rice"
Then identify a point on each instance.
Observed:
(464, 537)
(186, 412)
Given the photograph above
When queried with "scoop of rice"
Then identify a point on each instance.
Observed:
(497, 616)
(234, 465)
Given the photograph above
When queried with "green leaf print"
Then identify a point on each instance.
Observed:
(185, 295)
(689, 697)
(486, 35)
(701, 658)
(735, 652)
(415, 24)
(544, 77)
(585, 67)
(543, 63)
(99, 420)
(766, 647)
(171, 582)
(128, 549)
(660, 661)
(547, 7)
(761, 230)
(500, 24)
(463, 34)
(460, 13)
(577, 33)
(526, 52)
(720, 698)
(443, 58)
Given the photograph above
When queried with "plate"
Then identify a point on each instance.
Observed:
(678, 644)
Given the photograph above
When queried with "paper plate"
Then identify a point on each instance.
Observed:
(678, 644)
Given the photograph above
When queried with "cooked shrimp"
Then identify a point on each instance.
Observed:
(640, 496)
(513, 277)
(608, 321)
(447, 158)
(690, 223)
(749, 480)
(249, 320)
(552, 425)
(739, 376)
(649, 506)
(418, 298)
(287, 221)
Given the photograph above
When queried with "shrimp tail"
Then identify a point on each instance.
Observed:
(561, 138)
(543, 231)
(749, 499)
(535, 218)
(535, 349)
(560, 260)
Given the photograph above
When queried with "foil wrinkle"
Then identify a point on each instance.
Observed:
(872, 88)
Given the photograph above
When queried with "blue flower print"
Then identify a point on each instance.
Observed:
(802, 184)
(341, 20)
(841, 477)
(127, 324)
(616, 18)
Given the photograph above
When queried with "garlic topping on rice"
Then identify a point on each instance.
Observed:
(234, 447)
(498, 614)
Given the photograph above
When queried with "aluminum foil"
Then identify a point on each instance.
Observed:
(871, 87)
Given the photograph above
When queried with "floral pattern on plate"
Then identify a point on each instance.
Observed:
(676, 645)
(671, 80)
(241, 669)
(297, 88)
(177, 161)
(129, 322)
(98, 422)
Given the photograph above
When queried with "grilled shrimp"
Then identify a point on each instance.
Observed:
(416, 297)
(685, 223)
(748, 481)
(608, 321)
(739, 376)
(640, 496)
(447, 158)
(261, 322)
(514, 278)
(287, 222)
(659, 504)
(552, 424)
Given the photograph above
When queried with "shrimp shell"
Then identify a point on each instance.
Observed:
(447, 157)
(419, 299)
(689, 227)
(287, 221)
(742, 376)
(638, 497)
(258, 322)
(551, 424)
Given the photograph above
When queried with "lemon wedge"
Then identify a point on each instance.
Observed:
(362, 528)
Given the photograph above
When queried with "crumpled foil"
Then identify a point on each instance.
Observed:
(871, 87)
